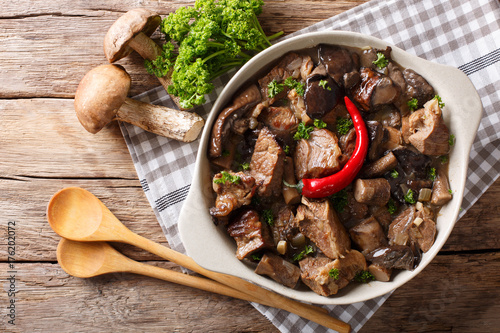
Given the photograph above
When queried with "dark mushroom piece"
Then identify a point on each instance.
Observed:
(417, 87)
(374, 90)
(279, 270)
(378, 137)
(321, 96)
(101, 97)
(395, 256)
(242, 103)
(337, 61)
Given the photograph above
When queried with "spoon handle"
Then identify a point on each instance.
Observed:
(261, 295)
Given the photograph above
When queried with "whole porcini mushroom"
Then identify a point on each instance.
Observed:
(131, 32)
(101, 97)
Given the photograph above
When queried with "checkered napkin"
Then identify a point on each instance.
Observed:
(460, 33)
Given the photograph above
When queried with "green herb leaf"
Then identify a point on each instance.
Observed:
(344, 125)
(451, 140)
(303, 132)
(291, 83)
(450, 191)
(391, 206)
(245, 166)
(318, 123)
(440, 102)
(287, 149)
(410, 197)
(413, 104)
(267, 216)
(394, 173)
(339, 200)
(334, 273)
(381, 61)
(256, 257)
(274, 88)
(364, 277)
(444, 159)
(432, 174)
(227, 177)
(323, 84)
(307, 250)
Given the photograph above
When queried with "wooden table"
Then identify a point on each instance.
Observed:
(45, 49)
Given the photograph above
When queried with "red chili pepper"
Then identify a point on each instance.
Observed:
(323, 187)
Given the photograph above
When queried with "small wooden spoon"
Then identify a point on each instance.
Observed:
(78, 215)
(89, 259)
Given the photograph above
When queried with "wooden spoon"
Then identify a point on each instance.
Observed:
(78, 215)
(89, 259)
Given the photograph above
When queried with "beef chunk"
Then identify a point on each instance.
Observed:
(315, 272)
(317, 156)
(441, 190)
(319, 222)
(347, 143)
(280, 120)
(368, 235)
(372, 191)
(423, 232)
(399, 229)
(430, 134)
(250, 234)
(232, 194)
(266, 164)
(417, 87)
(279, 270)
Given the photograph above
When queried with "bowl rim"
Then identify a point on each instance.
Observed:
(457, 84)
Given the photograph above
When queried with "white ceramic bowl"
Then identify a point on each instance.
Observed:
(213, 249)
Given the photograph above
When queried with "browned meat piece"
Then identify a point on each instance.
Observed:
(337, 61)
(321, 99)
(382, 215)
(395, 256)
(441, 190)
(356, 209)
(266, 164)
(399, 229)
(279, 270)
(347, 143)
(319, 222)
(430, 134)
(380, 273)
(374, 90)
(232, 194)
(423, 232)
(316, 272)
(368, 235)
(318, 156)
(405, 129)
(378, 138)
(289, 65)
(283, 221)
(297, 104)
(242, 103)
(372, 191)
(417, 87)
(280, 120)
(250, 234)
(376, 169)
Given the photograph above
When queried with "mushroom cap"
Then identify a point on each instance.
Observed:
(100, 94)
(125, 29)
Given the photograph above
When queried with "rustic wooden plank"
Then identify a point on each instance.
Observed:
(464, 301)
(43, 138)
(49, 46)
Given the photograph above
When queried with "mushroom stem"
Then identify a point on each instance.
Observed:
(179, 125)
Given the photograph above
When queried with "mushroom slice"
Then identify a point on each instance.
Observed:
(374, 90)
(337, 61)
(321, 96)
(279, 270)
(243, 102)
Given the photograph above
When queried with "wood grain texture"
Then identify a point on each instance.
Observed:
(45, 49)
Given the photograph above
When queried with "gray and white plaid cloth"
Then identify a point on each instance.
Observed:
(460, 33)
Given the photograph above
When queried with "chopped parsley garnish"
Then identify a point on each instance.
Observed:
(245, 166)
(291, 83)
(451, 140)
(323, 84)
(274, 88)
(432, 174)
(391, 206)
(287, 149)
(394, 173)
(364, 277)
(381, 61)
(334, 273)
(450, 191)
(307, 250)
(413, 104)
(303, 132)
(267, 216)
(440, 102)
(444, 159)
(256, 257)
(344, 125)
(318, 123)
(339, 200)
(227, 177)
(410, 197)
